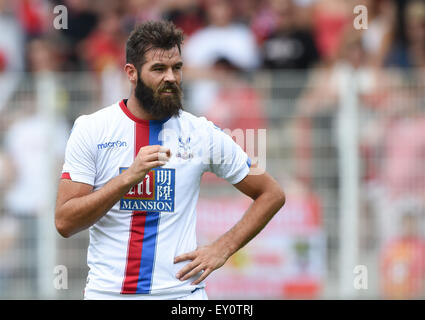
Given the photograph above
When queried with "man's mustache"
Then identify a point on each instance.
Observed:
(169, 86)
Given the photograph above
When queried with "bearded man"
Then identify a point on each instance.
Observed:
(125, 179)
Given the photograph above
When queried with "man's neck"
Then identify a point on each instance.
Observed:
(134, 106)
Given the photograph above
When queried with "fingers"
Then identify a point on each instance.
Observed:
(162, 156)
(155, 164)
(153, 156)
(165, 150)
(184, 257)
(147, 158)
(189, 266)
(182, 274)
(192, 273)
(205, 274)
(193, 268)
(155, 152)
(156, 156)
(155, 148)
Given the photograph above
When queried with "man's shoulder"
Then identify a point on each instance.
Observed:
(99, 116)
(194, 120)
(187, 116)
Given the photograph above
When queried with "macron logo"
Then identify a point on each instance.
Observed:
(107, 145)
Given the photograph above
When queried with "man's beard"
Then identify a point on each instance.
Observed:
(157, 105)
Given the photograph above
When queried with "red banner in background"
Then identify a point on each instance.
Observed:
(286, 260)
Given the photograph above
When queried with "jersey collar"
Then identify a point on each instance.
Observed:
(123, 106)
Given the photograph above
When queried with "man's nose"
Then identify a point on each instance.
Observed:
(169, 76)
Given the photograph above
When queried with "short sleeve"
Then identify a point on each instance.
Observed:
(226, 158)
(80, 164)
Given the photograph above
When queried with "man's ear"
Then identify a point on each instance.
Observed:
(131, 72)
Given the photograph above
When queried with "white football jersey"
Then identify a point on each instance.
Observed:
(132, 247)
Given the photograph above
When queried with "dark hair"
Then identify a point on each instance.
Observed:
(152, 34)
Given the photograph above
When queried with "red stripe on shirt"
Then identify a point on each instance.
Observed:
(66, 175)
(134, 255)
(137, 227)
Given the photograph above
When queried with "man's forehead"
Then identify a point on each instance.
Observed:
(158, 55)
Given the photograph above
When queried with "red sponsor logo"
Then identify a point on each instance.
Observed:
(145, 190)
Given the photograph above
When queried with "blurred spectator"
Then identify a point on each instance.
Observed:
(380, 33)
(246, 10)
(304, 13)
(288, 47)
(396, 147)
(11, 52)
(104, 53)
(222, 38)
(402, 168)
(30, 176)
(6, 176)
(265, 20)
(412, 53)
(9, 232)
(43, 55)
(82, 20)
(322, 92)
(330, 19)
(105, 46)
(402, 262)
(187, 15)
(138, 11)
(32, 16)
(318, 103)
(28, 144)
(236, 106)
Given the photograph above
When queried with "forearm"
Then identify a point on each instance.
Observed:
(211, 257)
(78, 207)
(254, 220)
(268, 198)
(82, 212)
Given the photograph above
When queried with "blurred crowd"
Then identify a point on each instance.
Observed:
(252, 34)
(226, 42)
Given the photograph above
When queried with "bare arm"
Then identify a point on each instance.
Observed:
(268, 199)
(78, 207)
